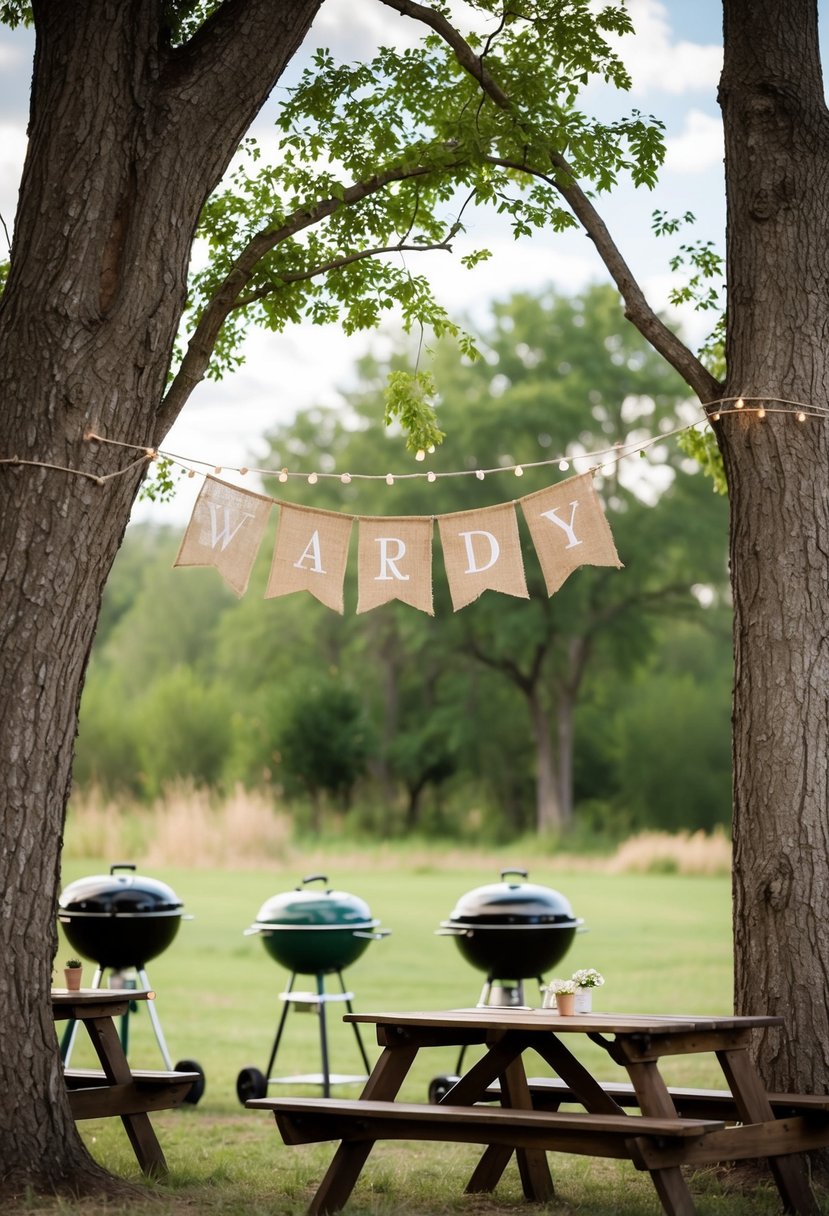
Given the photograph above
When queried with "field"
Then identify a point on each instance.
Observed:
(662, 941)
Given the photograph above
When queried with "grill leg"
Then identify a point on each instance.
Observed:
(326, 1073)
(286, 1006)
(356, 1026)
(154, 1018)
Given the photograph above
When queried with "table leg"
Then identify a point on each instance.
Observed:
(654, 1099)
(143, 1139)
(789, 1172)
(384, 1084)
(503, 1060)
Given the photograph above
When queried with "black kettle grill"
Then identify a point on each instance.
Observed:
(121, 921)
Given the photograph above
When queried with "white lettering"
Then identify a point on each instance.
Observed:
(312, 551)
(494, 552)
(387, 560)
(572, 540)
(226, 533)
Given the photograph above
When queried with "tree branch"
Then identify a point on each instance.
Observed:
(300, 276)
(227, 297)
(637, 309)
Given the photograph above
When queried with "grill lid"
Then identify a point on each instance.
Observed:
(119, 895)
(512, 903)
(304, 909)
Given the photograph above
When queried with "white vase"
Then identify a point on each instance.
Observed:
(584, 1000)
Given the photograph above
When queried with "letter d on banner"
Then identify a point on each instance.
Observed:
(482, 552)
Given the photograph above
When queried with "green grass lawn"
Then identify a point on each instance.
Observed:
(663, 943)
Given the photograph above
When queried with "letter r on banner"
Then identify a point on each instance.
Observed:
(395, 562)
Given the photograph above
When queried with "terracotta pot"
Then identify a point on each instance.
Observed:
(73, 975)
(566, 1003)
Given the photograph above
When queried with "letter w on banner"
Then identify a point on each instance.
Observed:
(482, 552)
(310, 554)
(395, 562)
(225, 531)
(569, 529)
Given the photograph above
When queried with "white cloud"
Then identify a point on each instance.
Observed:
(698, 147)
(12, 153)
(656, 62)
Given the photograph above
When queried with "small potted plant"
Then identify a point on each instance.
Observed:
(74, 973)
(563, 994)
(586, 980)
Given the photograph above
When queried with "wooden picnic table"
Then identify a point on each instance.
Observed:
(658, 1139)
(116, 1089)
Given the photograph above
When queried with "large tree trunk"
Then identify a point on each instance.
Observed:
(127, 138)
(550, 815)
(777, 140)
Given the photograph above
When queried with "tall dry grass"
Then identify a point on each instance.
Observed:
(248, 829)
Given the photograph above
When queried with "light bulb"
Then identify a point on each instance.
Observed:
(715, 417)
(420, 454)
(283, 476)
(564, 465)
(479, 473)
(346, 479)
(389, 479)
(242, 471)
(312, 479)
(519, 472)
(218, 469)
(739, 403)
(801, 417)
(761, 413)
(430, 476)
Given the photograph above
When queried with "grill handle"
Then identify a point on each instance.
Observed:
(452, 931)
(372, 937)
(314, 878)
(122, 865)
(513, 870)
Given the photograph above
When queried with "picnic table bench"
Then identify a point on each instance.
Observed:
(115, 1089)
(674, 1129)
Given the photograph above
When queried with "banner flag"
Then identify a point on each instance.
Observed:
(569, 529)
(482, 552)
(225, 531)
(395, 562)
(310, 554)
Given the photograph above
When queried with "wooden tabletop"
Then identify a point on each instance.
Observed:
(512, 1018)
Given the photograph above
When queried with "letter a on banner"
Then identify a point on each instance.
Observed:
(310, 554)
(225, 531)
(395, 562)
(482, 552)
(569, 529)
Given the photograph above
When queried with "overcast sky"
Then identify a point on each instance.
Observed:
(674, 59)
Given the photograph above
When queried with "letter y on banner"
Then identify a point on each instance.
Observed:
(225, 531)
(569, 529)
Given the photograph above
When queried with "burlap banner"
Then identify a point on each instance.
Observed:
(482, 552)
(481, 548)
(310, 554)
(569, 529)
(225, 531)
(395, 562)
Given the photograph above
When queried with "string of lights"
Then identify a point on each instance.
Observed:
(715, 411)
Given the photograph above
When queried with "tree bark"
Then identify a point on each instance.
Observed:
(127, 138)
(777, 140)
(550, 816)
